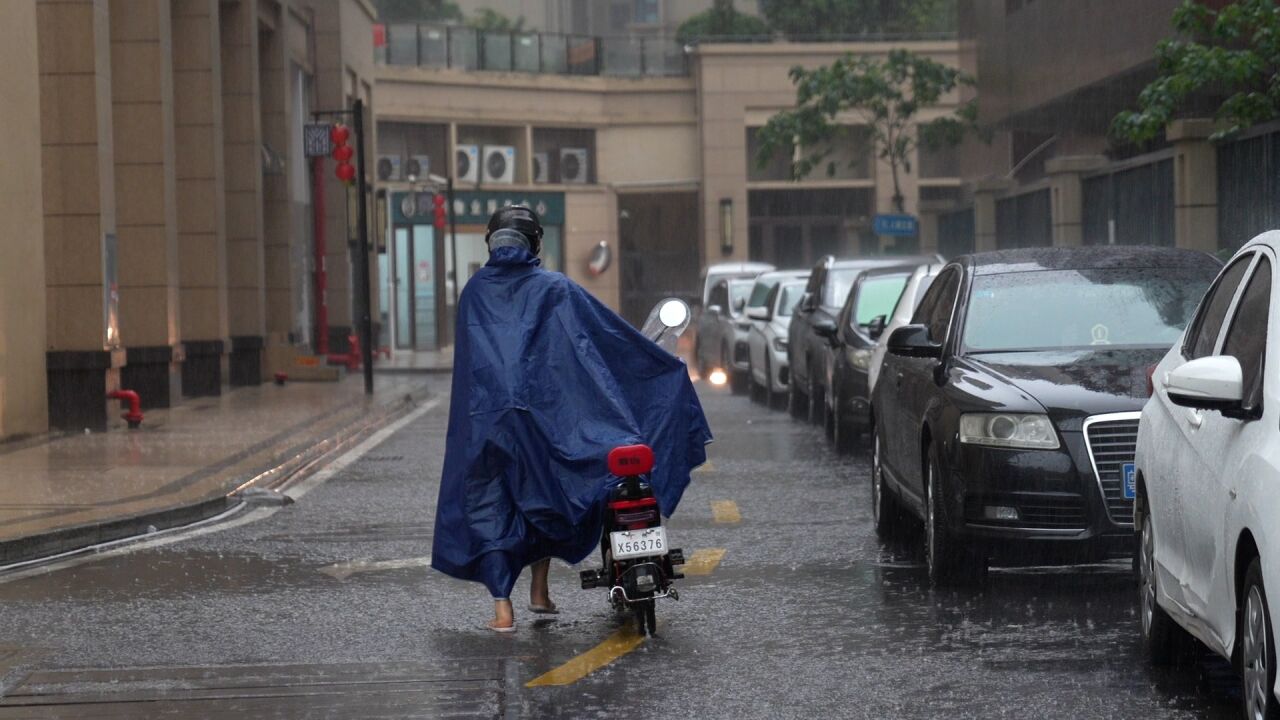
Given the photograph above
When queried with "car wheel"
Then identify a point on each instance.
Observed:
(770, 397)
(1257, 649)
(797, 403)
(844, 436)
(884, 508)
(949, 563)
(817, 401)
(1162, 636)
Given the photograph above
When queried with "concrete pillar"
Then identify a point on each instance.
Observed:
(242, 182)
(142, 110)
(334, 91)
(1066, 199)
(201, 193)
(985, 194)
(1195, 185)
(24, 404)
(929, 212)
(275, 100)
(78, 186)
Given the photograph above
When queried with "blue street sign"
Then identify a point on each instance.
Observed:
(896, 225)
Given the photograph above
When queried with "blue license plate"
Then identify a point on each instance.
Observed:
(1129, 475)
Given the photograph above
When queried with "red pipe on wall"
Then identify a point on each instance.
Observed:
(133, 415)
(321, 279)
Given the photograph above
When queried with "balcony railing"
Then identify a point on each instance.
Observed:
(464, 48)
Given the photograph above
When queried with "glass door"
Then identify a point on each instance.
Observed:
(403, 289)
(424, 288)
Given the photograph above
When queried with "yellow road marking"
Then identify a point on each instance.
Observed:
(615, 646)
(725, 512)
(705, 467)
(702, 562)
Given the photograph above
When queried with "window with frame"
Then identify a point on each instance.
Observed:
(1202, 340)
(1247, 336)
(935, 308)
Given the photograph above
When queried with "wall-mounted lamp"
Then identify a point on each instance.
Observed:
(726, 226)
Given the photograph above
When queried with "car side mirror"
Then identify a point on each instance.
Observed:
(876, 327)
(759, 313)
(806, 302)
(914, 341)
(825, 328)
(737, 306)
(1208, 383)
(714, 309)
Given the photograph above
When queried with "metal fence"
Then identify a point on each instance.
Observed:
(464, 48)
(1248, 188)
(1024, 221)
(1132, 205)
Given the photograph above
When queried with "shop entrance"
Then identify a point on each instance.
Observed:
(414, 256)
(658, 256)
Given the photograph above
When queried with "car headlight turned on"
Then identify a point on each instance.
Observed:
(1008, 430)
(780, 344)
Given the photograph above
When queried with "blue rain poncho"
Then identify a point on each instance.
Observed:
(546, 381)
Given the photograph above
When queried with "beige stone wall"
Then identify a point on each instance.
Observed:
(592, 217)
(23, 402)
(78, 178)
(242, 156)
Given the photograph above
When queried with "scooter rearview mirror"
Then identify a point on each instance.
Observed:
(673, 313)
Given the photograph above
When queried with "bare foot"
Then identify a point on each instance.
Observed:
(504, 618)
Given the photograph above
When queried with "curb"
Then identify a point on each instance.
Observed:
(415, 371)
(305, 458)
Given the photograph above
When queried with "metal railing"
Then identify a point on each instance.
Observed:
(465, 48)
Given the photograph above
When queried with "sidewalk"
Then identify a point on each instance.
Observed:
(74, 491)
(419, 362)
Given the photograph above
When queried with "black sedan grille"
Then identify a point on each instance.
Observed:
(1112, 444)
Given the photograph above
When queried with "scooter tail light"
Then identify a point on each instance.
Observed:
(630, 460)
(645, 502)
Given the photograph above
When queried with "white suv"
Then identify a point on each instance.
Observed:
(1207, 480)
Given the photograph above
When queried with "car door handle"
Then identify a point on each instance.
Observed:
(1195, 418)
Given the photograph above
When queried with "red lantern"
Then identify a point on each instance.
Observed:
(339, 134)
(343, 153)
(441, 216)
(346, 172)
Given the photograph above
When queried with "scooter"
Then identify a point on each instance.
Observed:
(639, 564)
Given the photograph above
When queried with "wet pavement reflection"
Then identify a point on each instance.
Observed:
(806, 614)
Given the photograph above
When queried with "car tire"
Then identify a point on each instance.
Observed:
(1257, 648)
(797, 403)
(817, 401)
(885, 513)
(737, 382)
(1163, 638)
(949, 562)
(757, 393)
(771, 399)
(844, 436)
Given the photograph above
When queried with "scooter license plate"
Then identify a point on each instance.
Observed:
(638, 543)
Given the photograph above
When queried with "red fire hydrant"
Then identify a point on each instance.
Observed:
(133, 415)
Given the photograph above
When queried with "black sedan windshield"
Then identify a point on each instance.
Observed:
(1068, 309)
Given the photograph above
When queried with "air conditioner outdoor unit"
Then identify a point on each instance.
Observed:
(419, 166)
(574, 165)
(468, 159)
(388, 167)
(499, 164)
(542, 167)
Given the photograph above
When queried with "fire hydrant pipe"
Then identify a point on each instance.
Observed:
(133, 415)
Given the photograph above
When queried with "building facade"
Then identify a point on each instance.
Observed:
(161, 212)
(650, 164)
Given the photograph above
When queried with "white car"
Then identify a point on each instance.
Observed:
(920, 281)
(707, 354)
(1207, 479)
(767, 341)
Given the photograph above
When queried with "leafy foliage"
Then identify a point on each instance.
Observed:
(417, 10)
(885, 96)
(799, 18)
(493, 21)
(722, 20)
(1234, 51)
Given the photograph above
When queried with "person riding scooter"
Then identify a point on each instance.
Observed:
(547, 380)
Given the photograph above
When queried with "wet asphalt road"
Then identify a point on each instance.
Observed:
(324, 609)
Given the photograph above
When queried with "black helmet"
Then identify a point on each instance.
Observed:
(521, 219)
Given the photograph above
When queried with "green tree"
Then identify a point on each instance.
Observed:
(723, 21)
(494, 21)
(1232, 52)
(800, 18)
(885, 96)
(391, 11)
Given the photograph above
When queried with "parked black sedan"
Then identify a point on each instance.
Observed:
(863, 318)
(814, 321)
(1006, 415)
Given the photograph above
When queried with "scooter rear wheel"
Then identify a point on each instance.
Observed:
(646, 617)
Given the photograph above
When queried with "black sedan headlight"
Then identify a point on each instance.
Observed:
(1009, 430)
